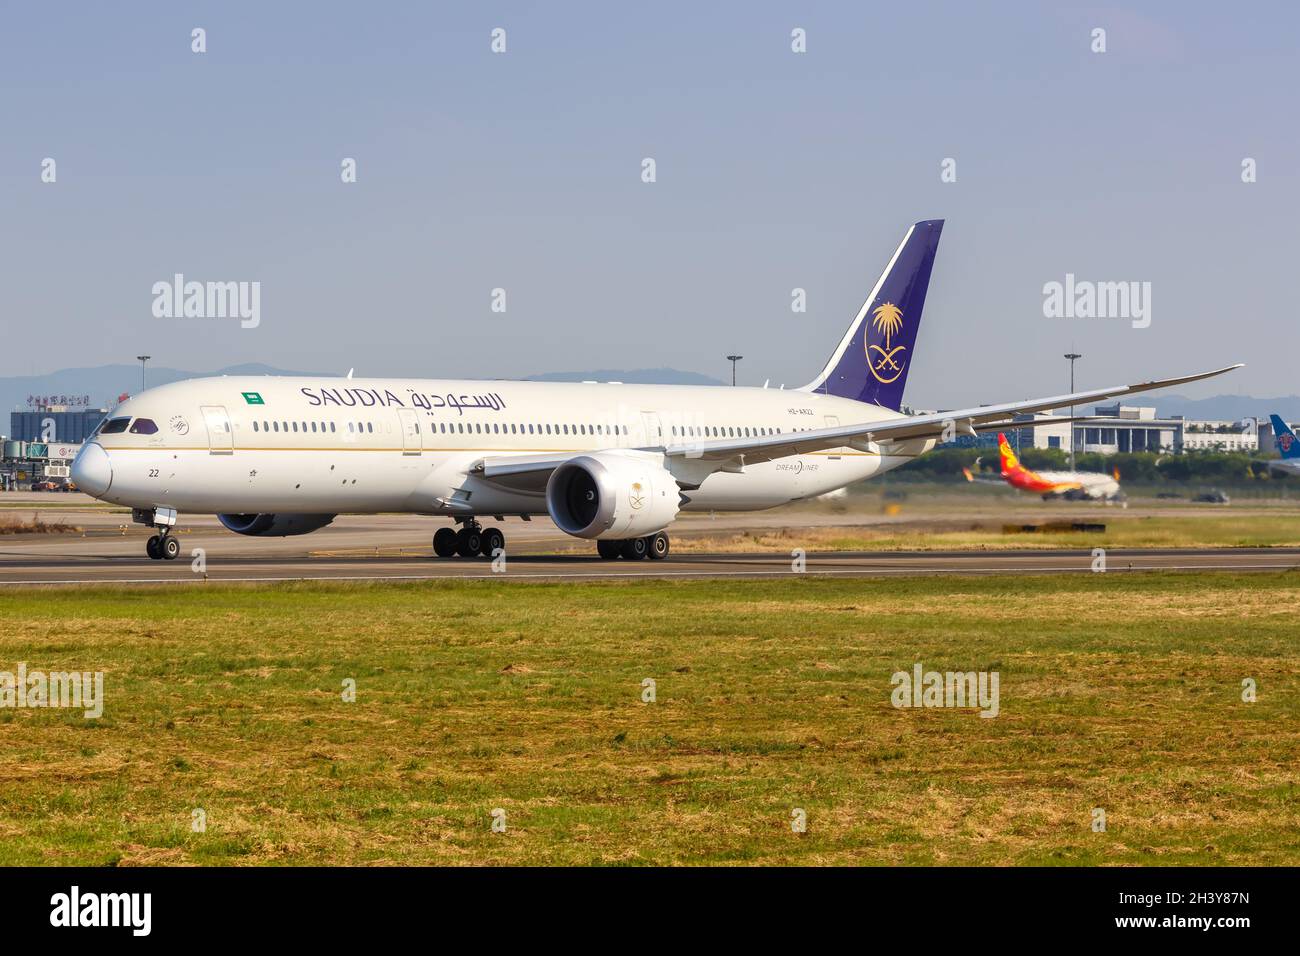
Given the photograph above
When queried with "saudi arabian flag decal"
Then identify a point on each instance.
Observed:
(253, 398)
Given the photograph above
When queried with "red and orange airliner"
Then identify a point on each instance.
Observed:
(1071, 485)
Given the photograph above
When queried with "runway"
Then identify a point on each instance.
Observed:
(15, 570)
(105, 548)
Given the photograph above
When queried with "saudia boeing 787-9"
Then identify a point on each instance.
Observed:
(611, 462)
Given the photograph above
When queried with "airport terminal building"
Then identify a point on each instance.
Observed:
(42, 442)
(54, 424)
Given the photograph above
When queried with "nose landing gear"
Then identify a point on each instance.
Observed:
(162, 546)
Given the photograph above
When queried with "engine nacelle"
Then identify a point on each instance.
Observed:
(274, 526)
(612, 494)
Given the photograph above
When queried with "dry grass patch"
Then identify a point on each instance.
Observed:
(12, 524)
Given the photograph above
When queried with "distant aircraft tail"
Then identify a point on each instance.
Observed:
(1009, 461)
(1287, 443)
(871, 362)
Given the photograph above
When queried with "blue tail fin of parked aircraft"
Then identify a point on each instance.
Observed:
(872, 360)
(1287, 444)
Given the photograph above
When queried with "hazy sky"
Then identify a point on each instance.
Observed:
(775, 170)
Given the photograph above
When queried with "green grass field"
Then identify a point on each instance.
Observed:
(1118, 691)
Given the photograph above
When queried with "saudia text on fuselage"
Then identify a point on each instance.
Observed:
(370, 397)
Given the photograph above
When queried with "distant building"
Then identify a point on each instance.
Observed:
(1128, 428)
(1050, 435)
(1208, 435)
(55, 424)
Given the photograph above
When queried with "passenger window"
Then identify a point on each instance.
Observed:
(370, 427)
(255, 428)
(114, 426)
(331, 426)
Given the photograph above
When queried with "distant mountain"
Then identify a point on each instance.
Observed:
(1225, 407)
(640, 376)
(105, 382)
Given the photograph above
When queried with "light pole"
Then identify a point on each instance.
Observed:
(1072, 356)
(143, 359)
(733, 359)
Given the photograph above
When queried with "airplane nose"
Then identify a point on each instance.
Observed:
(91, 470)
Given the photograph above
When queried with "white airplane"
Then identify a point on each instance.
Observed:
(611, 462)
(1070, 485)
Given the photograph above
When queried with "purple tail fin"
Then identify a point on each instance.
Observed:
(871, 362)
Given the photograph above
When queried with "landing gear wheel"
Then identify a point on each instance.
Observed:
(153, 548)
(493, 541)
(609, 550)
(170, 548)
(444, 542)
(658, 546)
(469, 542)
(634, 549)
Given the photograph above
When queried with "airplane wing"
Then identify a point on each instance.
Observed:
(527, 473)
(530, 472)
(979, 418)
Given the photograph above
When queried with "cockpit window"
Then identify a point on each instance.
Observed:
(115, 426)
(144, 426)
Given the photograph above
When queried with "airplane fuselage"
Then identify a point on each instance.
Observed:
(317, 445)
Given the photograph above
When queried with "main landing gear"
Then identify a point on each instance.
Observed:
(471, 541)
(652, 546)
(163, 546)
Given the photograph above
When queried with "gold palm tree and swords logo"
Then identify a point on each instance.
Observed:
(884, 364)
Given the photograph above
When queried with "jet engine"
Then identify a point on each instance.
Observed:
(612, 494)
(274, 526)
